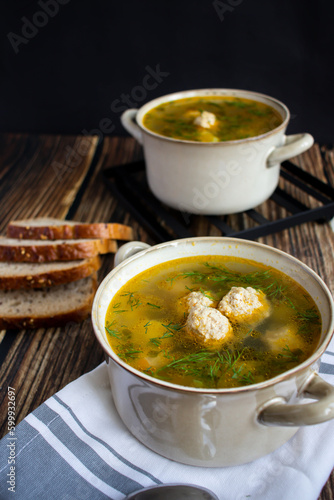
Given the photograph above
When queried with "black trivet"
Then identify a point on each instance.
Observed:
(128, 183)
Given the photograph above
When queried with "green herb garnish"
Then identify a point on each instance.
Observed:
(132, 301)
(288, 354)
(146, 326)
(154, 306)
(111, 331)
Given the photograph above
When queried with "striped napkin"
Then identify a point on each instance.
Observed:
(75, 447)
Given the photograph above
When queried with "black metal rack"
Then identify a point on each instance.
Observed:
(128, 183)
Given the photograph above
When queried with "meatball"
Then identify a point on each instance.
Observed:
(244, 304)
(198, 299)
(205, 120)
(279, 337)
(208, 324)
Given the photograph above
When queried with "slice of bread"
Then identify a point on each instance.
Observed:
(48, 307)
(47, 228)
(15, 275)
(16, 250)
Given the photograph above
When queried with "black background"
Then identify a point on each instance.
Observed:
(65, 75)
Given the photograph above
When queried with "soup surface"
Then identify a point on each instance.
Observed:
(213, 322)
(212, 118)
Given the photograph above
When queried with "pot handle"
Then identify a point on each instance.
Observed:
(128, 250)
(283, 414)
(294, 145)
(128, 122)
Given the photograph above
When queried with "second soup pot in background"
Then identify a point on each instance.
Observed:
(215, 178)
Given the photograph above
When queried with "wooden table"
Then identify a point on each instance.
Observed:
(61, 176)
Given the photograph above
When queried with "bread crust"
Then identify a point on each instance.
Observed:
(101, 230)
(52, 277)
(52, 251)
(48, 240)
(60, 319)
(29, 323)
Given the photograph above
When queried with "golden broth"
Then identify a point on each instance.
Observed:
(145, 324)
(235, 118)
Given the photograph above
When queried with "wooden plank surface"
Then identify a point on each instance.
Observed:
(42, 175)
(62, 177)
(46, 179)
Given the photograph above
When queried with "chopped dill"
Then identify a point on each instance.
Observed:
(147, 325)
(128, 351)
(206, 294)
(111, 331)
(309, 315)
(288, 354)
(261, 280)
(155, 341)
(166, 335)
(250, 331)
(149, 371)
(237, 371)
(248, 378)
(190, 358)
(196, 276)
(132, 353)
(132, 301)
(154, 306)
(171, 280)
(274, 290)
(172, 328)
(207, 364)
(230, 357)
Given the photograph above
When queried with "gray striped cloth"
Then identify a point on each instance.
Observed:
(75, 447)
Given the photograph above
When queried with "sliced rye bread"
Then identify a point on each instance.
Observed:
(48, 307)
(16, 250)
(15, 275)
(47, 228)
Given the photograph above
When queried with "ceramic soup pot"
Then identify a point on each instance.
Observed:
(215, 427)
(214, 178)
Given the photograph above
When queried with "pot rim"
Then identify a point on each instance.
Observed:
(196, 390)
(212, 91)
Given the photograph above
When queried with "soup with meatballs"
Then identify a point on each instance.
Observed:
(213, 322)
(212, 119)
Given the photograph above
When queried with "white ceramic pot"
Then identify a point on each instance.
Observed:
(214, 178)
(215, 427)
